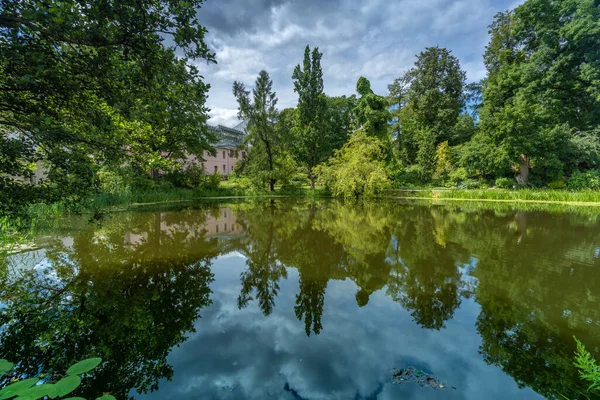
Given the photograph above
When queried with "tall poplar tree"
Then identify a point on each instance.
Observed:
(312, 139)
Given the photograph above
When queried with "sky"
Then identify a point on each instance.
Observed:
(377, 39)
(241, 354)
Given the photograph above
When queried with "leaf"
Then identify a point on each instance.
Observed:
(67, 385)
(107, 397)
(75, 398)
(5, 366)
(38, 392)
(16, 388)
(84, 366)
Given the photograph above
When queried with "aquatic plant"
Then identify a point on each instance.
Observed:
(36, 388)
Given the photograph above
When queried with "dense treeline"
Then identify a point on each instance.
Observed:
(90, 88)
(533, 121)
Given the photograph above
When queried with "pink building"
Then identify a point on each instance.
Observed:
(230, 149)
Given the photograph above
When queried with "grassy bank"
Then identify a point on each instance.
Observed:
(590, 197)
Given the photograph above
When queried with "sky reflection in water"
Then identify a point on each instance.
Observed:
(313, 300)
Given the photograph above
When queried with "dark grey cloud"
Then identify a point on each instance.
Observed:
(377, 39)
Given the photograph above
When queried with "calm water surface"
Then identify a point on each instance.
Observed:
(310, 300)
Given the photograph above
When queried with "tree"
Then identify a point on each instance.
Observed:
(312, 141)
(398, 100)
(173, 106)
(261, 113)
(436, 93)
(426, 155)
(371, 114)
(69, 72)
(357, 169)
(340, 111)
(541, 73)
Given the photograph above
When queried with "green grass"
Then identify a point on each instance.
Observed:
(528, 195)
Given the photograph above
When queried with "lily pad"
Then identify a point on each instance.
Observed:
(84, 366)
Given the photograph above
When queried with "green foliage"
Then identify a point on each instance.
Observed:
(458, 175)
(473, 184)
(406, 177)
(557, 184)
(426, 155)
(265, 144)
(585, 180)
(371, 113)
(505, 183)
(312, 142)
(436, 92)
(357, 169)
(589, 370)
(537, 93)
(94, 86)
(192, 176)
(37, 388)
(443, 166)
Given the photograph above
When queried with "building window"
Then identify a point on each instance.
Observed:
(223, 154)
(237, 154)
(224, 168)
(230, 153)
(216, 169)
(225, 227)
(232, 168)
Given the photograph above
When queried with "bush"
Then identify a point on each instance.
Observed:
(585, 180)
(211, 182)
(557, 184)
(189, 177)
(457, 176)
(407, 177)
(473, 184)
(357, 169)
(118, 179)
(505, 183)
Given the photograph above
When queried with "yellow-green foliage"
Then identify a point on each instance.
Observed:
(442, 161)
(357, 169)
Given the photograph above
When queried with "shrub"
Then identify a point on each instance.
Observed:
(189, 177)
(407, 177)
(457, 176)
(117, 179)
(505, 183)
(585, 180)
(211, 181)
(557, 184)
(473, 184)
(357, 169)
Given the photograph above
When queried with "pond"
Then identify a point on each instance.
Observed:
(295, 299)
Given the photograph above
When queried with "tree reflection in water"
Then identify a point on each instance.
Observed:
(131, 289)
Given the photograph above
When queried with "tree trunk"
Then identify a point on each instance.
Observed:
(311, 176)
(523, 176)
(271, 169)
(155, 176)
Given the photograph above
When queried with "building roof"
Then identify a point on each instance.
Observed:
(228, 136)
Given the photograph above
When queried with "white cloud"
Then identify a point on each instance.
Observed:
(375, 38)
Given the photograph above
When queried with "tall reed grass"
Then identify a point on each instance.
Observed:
(544, 195)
